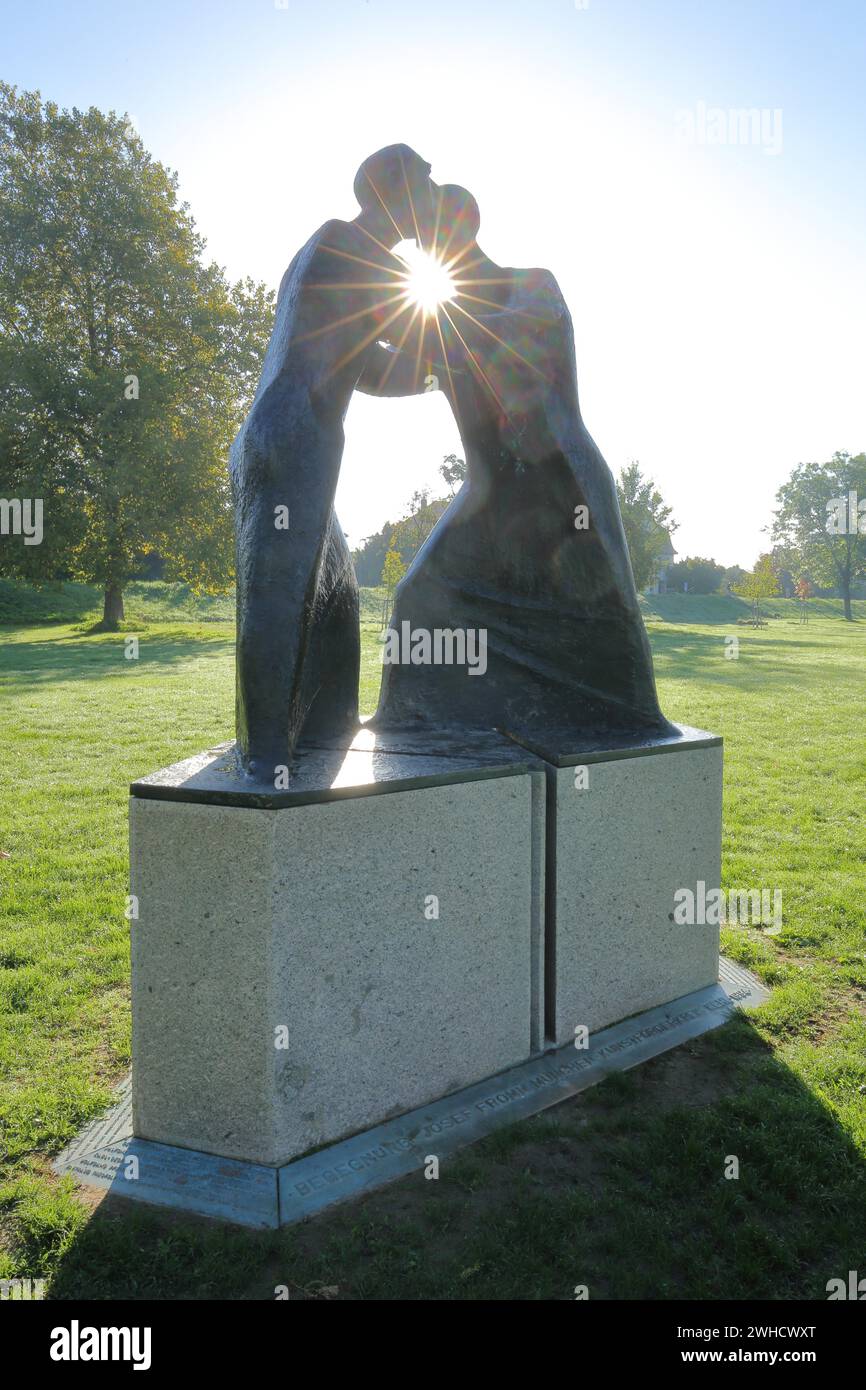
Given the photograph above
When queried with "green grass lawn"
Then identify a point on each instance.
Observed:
(621, 1188)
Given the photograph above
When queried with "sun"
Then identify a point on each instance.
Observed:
(426, 283)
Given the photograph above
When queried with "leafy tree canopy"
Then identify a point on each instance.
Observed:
(695, 575)
(392, 570)
(761, 582)
(126, 364)
(453, 470)
(409, 533)
(821, 519)
(647, 522)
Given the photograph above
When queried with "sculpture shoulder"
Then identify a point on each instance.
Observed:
(536, 293)
(333, 235)
(336, 233)
(536, 281)
(534, 275)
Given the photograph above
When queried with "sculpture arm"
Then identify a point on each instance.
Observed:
(285, 460)
(390, 371)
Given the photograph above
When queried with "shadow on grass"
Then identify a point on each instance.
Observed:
(33, 663)
(712, 610)
(622, 1188)
(67, 602)
(701, 656)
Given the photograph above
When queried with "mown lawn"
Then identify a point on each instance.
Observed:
(623, 1188)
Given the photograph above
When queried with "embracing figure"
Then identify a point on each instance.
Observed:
(531, 551)
(298, 639)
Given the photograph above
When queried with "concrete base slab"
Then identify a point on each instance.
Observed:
(254, 1195)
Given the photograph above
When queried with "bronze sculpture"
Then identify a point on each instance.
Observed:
(298, 643)
(531, 551)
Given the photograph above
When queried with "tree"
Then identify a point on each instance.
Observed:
(731, 577)
(392, 572)
(646, 520)
(696, 576)
(412, 530)
(408, 534)
(761, 582)
(822, 519)
(786, 563)
(369, 557)
(453, 470)
(126, 365)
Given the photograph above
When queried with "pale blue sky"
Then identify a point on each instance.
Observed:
(718, 291)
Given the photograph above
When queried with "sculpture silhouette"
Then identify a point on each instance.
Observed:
(532, 549)
(298, 643)
(515, 555)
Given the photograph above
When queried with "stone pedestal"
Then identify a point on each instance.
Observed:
(310, 962)
(402, 921)
(626, 827)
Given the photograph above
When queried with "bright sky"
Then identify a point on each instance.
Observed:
(717, 290)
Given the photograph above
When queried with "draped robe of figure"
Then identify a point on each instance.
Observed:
(298, 650)
(567, 651)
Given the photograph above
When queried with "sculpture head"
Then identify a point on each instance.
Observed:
(395, 183)
(456, 222)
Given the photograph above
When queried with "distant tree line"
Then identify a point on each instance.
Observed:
(384, 557)
(818, 534)
(127, 364)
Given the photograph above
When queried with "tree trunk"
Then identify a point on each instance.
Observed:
(845, 573)
(112, 608)
(845, 591)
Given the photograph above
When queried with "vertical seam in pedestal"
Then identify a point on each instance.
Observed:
(537, 899)
(549, 933)
(272, 976)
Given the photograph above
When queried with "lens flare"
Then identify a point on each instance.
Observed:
(426, 283)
